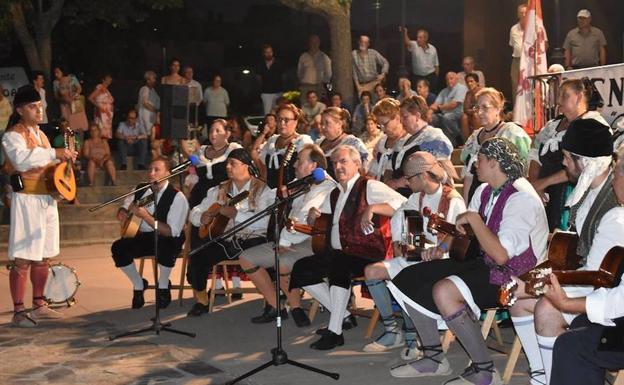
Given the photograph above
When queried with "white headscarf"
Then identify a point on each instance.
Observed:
(592, 167)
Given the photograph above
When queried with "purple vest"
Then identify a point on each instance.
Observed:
(517, 264)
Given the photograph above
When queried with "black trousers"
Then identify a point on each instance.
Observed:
(576, 359)
(124, 250)
(339, 268)
(201, 264)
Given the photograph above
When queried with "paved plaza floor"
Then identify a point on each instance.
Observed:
(77, 350)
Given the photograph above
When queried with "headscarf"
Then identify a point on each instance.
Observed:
(506, 154)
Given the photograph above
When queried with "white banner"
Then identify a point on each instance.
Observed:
(609, 80)
(11, 79)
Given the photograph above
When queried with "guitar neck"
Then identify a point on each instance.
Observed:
(304, 229)
(590, 278)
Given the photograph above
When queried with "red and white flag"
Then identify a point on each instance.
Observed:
(527, 109)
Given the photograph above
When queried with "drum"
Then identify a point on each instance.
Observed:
(62, 285)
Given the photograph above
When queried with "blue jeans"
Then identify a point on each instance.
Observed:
(138, 149)
(448, 122)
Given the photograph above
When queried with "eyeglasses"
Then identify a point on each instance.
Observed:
(285, 120)
(481, 108)
(382, 126)
(412, 176)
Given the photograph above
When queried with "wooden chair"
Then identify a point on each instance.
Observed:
(180, 286)
(227, 290)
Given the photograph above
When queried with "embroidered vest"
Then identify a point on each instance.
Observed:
(256, 187)
(517, 264)
(376, 246)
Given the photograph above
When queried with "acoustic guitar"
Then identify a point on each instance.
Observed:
(413, 238)
(217, 222)
(319, 232)
(60, 179)
(561, 256)
(463, 246)
(130, 227)
(281, 190)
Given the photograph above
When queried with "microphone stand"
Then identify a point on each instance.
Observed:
(278, 354)
(157, 326)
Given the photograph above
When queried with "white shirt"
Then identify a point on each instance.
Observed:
(176, 218)
(263, 200)
(208, 163)
(456, 207)
(195, 92)
(424, 60)
(581, 213)
(23, 158)
(352, 141)
(314, 69)
(516, 35)
(44, 104)
(524, 219)
(377, 168)
(376, 193)
(302, 205)
(269, 148)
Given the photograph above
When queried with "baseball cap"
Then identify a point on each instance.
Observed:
(583, 13)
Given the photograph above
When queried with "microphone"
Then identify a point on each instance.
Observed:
(192, 161)
(316, 177)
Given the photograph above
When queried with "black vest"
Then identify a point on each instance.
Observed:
(164, 203)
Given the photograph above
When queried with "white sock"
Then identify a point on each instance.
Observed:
(134, 276)
(525, 329)
(219, 283)
(163, 276)
(546, 345)
(320, 292)
(339, 300)
(236, 282)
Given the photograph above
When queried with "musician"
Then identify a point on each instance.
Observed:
(431, 183)
(423, 137)
(170, 211)
(546, 170)
(358, 205)
(335, 125)
(509, 222)
(293, 245)
(34, 230)
(388, 115)
(272, 153)
(241, 177)
(596, 216)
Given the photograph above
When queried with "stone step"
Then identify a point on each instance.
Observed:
(76, 231)
(64, 243)
(73, 213)
(124, 177)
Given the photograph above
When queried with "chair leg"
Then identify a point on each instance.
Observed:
(372, 323)
(512, 360)
(226, 283)
(487, 323)
(141, 266)
(497, 334)
(314, 307)
(182, 278)
(213, 286)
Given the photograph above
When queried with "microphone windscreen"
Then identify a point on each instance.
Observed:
(194, 160)
(318, 174)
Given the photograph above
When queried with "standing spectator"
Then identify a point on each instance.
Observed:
(405, 89)
(149, 102)
(378, 93)
(195, 93)
(422, 89)
(369, 66)
(216, 101)
(586, 45)
(469, 121)
(468, 64)
(5, 110)
(38, 79)
(361, 112)
(174, 77)
(97, 153)
(270, 72)
(447, 109)
(68, 92)
(103, 101)
(132, 139)
(312, 107)
(314, 69)
(425, 64)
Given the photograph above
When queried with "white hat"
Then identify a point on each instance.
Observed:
(583, 13)
(555, 68)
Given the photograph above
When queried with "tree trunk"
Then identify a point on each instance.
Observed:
(340, 32)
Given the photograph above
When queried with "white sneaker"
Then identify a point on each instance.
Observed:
(377, 346)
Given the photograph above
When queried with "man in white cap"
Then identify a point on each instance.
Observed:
(585, 46)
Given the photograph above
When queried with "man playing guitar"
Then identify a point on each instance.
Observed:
(241, 177)
(170, 209)
(34, 231)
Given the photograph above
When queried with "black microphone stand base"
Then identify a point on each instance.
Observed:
(281, 358)
(156, 327)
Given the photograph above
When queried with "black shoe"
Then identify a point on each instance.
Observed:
(268, 315)
(300, 317)
(123, 167)
(236, 296)
(348, 323)
(163, 296)
(137, 296)
(328, 341)
(197, 310)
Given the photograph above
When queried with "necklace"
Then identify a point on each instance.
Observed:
(285, 140)
(493, 128)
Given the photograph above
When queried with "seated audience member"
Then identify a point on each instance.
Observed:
(240, 132)
(508, 220)
(292, 245)
(361, 111)
(371, 136)
(431, 185)
(132, 140)
(240, 172)
(359, 234)
(170, 211)
(405, 89)
(98, 155)
(447, 108)
(336, 101)
(312, 107)
(422, 89)
(468, 65)
(469, 121)
(379, 92)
